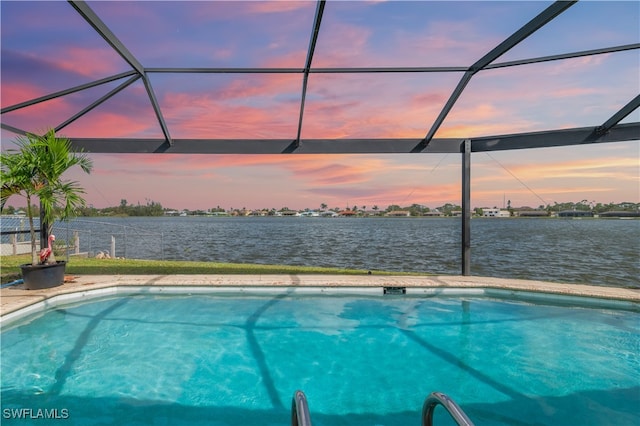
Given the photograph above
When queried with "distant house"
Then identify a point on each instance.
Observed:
(532, 213)
(434, 213)
(310, 213)
(399, 213)
(623, 213)
(575, 213)
(486, 212)
(495, 212)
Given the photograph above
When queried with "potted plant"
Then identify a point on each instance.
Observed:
(34, 170)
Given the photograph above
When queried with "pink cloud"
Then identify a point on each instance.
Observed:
(107, 124)
(90, 62)
(262, 7)
(335, 170)
(300, 181)
(314, 169)
(576, 64)
(242, 109)
(389, 193)
(39, 117)
(223, 53)
(450, 43)
(225, 11)
(293, 59)
(332, 51)
(18, 92)
(434, 99)
(265, 85)
(217, 121)
(570, 92)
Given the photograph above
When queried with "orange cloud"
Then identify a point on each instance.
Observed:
(336, 169)
(315, 170)
(535, 183)
(590, 168)
(356, 179)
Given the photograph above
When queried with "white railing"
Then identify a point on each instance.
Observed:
(84, 238)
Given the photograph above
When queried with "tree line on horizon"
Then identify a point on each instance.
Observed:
(152, 208)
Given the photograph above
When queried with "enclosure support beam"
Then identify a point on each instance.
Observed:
(305, 80)
(466, 207)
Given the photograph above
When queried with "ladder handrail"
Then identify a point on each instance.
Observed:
(449, 404)
(300, 410)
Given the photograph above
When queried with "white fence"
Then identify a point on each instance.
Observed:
(84, 238)
(15, 237)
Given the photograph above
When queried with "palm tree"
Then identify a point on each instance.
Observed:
(35, 169)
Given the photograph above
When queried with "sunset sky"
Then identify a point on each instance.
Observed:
(48, 47)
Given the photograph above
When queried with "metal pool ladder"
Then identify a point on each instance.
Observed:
(449, 404)
(300, 409)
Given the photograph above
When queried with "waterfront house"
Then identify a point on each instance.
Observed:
(399, 213)
(532, 213)
(486, 212)
(329, 213)
(433, 213)
(624, 213)
(576, 213)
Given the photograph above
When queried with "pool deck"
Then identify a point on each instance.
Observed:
(16, 297)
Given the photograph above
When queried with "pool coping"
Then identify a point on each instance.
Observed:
(15, 298)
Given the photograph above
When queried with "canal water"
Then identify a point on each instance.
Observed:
(595, 251)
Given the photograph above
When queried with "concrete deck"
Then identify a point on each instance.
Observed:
(16, 297)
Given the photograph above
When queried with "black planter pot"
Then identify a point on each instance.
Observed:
(43, 276)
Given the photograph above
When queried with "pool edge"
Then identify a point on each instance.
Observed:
(16, 298)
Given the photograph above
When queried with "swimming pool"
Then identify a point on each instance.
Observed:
(360, 359)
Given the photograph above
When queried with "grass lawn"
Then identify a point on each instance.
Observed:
(10, 268)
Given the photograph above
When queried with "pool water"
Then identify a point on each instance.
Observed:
(179, 360)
